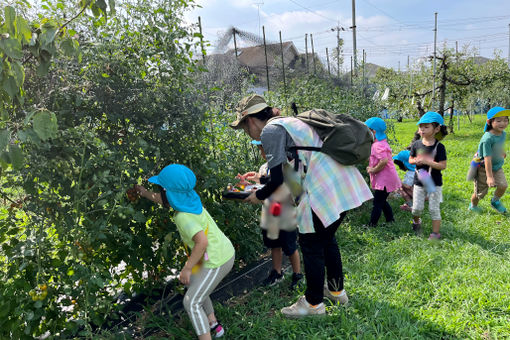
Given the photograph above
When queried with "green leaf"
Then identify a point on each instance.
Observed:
(4, 156)
(47, 36)
(16, 156)
(11, 87)
(23, 29)
(68, 47)
(38, 304)
(18, 73)
(45, 125)
(10, 18)
(42, 68)
(11, 47)
(111, 3)
(5, 136)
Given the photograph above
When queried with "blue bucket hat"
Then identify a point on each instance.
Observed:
(403, 156)
(377, 124)
(431, 117)
(179, 182)
(496, 112)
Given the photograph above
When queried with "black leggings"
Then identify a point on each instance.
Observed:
(321, 253)
(381, 205)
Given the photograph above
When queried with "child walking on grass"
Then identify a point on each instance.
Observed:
(492, 151)
(212, 253)
(383, 175)
(406, 191)
(429, 155)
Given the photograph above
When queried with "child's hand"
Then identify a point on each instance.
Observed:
(252, 199)
(491, 182)
(140, 189)
(370, 169)
(185, 275)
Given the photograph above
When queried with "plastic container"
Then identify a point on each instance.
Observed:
(473, 168)
(426, 180)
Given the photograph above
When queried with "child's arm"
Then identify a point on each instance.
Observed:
(488, 170)
(196, 254)
(412, 160)
(435, 165)
(382, 163)
(153, 196)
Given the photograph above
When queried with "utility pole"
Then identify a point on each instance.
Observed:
(313, 54)
(354, 35)
(306, 51)
(363, 60)
(435, 42)
(327, 58)
(338, 51)
(265, 52)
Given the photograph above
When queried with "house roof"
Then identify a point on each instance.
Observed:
(254, 56)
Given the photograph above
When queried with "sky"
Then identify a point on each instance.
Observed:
(390, 31)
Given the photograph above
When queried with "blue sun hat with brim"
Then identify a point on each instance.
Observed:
(431, 117)
(496, 112)
(403, 157)
(179, 183)
(378, 125)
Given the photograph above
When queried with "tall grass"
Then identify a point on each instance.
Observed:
(400, 285)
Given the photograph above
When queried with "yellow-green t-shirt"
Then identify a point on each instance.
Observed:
(219, 248)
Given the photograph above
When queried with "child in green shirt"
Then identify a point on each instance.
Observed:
(212, 254)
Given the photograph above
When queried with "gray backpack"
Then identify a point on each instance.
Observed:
(345, 139)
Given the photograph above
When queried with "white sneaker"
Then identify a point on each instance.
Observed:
(302, 308)
(342, 297)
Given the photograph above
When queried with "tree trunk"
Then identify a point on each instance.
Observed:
(442, 88)
(450, 124)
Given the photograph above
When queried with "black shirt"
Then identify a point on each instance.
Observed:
(419, 149)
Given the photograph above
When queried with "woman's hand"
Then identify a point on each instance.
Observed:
(249, 176)
(185, 275)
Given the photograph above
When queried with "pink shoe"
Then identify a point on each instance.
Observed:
(434, 236)
(405, 207)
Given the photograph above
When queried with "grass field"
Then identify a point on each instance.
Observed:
(402, 286)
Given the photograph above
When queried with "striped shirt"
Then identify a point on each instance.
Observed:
(329, 188)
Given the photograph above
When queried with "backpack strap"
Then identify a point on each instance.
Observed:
(294, 152)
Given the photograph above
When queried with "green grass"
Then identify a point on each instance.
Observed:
(402, 286)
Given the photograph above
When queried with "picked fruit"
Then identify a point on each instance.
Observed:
(132, 194)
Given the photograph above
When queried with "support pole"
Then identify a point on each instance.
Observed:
(283, 64)
(265, 52)
(201, 39)
(354, 35)
(351, 70)
(435, 42)
(235, 42)
(313, 55)
(327, 58)
(508, 45)
(457, 51)
(306, 51)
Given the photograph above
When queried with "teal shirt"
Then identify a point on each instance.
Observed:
(219, 248)
(494, 146)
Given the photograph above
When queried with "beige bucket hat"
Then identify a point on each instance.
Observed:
(248, 106)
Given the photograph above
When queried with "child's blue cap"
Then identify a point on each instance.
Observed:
(496, 112)
(403, 156)
(377, 124)
(179, 182)
(431, 117)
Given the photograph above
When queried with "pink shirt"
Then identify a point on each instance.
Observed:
(388, 176)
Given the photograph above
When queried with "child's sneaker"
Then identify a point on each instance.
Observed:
(217, 330)
(498, 206)
(417, 227)
(406, 207)
(474, 208)
(302, 308)
(296, 278)
(434, 237)
(336, 296)
(273, 278)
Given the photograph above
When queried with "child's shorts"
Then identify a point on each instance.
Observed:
(481, 187)
(408, 178)
(287, 240)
